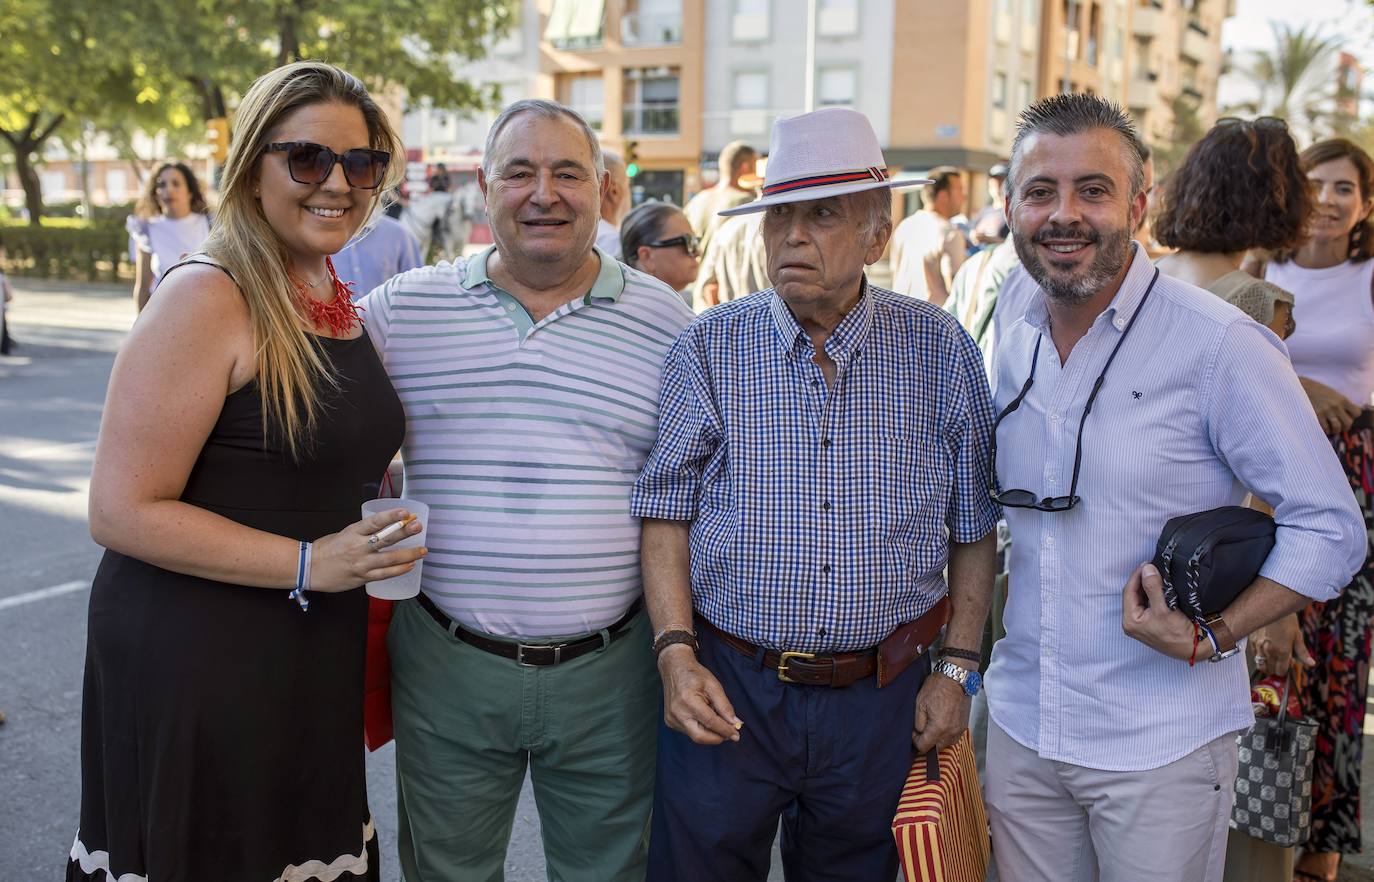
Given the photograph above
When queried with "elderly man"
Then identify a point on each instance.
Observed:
(1128, 398)
(528, 374)
(822, 456)
(615, 204)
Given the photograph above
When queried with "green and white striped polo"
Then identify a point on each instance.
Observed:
(525, 438)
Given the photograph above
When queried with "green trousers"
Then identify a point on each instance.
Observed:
(467, 725)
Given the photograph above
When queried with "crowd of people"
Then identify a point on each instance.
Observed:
(686, 570)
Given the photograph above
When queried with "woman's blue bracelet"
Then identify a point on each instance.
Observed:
(302, 578)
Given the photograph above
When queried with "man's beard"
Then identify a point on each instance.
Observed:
(1113, 250)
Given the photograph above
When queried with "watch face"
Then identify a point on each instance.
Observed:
(973, 683)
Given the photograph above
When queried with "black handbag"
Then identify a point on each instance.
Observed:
(1208, 558)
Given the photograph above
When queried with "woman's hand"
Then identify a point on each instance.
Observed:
(345, 560)
(1278, 644)
(1335, 412)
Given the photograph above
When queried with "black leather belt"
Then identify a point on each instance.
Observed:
(537, 655)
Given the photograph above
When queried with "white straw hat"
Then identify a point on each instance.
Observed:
(828, 152)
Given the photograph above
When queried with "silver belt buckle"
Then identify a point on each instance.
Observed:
(520, 654)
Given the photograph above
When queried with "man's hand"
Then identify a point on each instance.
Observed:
(1146, 617)
(1278, 644)
(941, 713)
(693, 701)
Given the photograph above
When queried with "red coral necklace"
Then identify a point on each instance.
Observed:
(338, 315)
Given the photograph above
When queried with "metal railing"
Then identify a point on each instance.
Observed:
(650, 29)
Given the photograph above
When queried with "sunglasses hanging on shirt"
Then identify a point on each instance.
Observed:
(1052, 504)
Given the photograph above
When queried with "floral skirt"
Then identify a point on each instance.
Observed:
(1338, 636)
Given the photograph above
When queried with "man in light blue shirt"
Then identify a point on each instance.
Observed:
(386, 250)
(1111, 755)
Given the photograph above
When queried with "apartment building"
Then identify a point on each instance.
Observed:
(1175, 56)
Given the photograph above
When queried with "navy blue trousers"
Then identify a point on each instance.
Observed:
(829, 762)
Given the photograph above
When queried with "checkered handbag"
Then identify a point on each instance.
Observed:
(941, 826)
(1274, 781)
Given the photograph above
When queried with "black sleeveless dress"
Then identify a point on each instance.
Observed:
(221, 725)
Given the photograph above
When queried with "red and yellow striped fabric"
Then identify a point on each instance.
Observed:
(941, 826)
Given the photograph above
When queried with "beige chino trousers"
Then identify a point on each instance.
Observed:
(1057, 822)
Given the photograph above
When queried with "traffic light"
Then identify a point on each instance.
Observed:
(631, 158)
(217, 134)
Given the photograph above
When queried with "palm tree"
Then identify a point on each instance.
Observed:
(1294, 77)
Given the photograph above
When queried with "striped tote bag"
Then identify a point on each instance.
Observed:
(941, 826)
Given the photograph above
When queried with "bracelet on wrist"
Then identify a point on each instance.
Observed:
(302, 577)
(965, 654)
(673, 636)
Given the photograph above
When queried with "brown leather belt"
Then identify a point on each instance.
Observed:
(905, 644)
(537, 655)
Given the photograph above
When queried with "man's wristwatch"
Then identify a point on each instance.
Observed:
(969, 681)
(1225, 640)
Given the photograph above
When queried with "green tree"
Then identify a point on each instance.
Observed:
(1186, 128)
(164, 65)
(1293, 77)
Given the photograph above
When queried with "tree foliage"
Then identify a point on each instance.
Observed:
(169, 65)
(1294, 76)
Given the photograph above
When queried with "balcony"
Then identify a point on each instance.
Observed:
(1196, 44)
(1143, 91)
(651, 29)
(1147, 21)
(650, 120)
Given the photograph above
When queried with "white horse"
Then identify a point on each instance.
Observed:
(439, 222)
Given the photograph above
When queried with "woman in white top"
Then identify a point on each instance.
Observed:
(170, 221)
(1331, 275)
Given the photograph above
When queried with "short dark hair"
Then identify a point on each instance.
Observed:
(943, 176)
(1240, 187)
(1075, 113)
(1322, 152)
(642, 226)
(732, 156)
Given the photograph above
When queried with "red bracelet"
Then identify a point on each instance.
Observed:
(1197, 638)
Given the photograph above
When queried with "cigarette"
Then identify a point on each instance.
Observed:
(386, 531)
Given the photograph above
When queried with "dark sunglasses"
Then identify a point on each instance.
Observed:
(310, 163)
(689, 243)
(1025, 498)
(1259, 122)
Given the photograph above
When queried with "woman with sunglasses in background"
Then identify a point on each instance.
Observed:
(1241, 187)
(1331, 275)
(222, 716)
(657, 239)
(170, 221)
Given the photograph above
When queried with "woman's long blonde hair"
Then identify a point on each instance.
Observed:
(291, 370)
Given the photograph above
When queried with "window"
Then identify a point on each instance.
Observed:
(836, 86)
(837, 18)
(999, 89)
(575, 24)
(53, 184)
(586, 93)
(651, 101)
(116, 184)
(1024, 98)
(651, 23)
(749, 114)
(750, 21)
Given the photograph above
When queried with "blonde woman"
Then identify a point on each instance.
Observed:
(222, 717)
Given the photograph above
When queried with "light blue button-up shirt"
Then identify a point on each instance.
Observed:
(1200, 405)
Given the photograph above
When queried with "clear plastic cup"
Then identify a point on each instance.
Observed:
(407, 584)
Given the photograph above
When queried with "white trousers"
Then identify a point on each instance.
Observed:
(1057, 822)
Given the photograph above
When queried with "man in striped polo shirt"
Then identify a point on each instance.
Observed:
(529, 375)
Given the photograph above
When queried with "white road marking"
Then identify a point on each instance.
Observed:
(44, 593)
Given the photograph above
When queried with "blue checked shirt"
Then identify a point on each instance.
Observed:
(821, 518)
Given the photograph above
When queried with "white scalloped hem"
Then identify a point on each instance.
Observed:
(90, 862)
